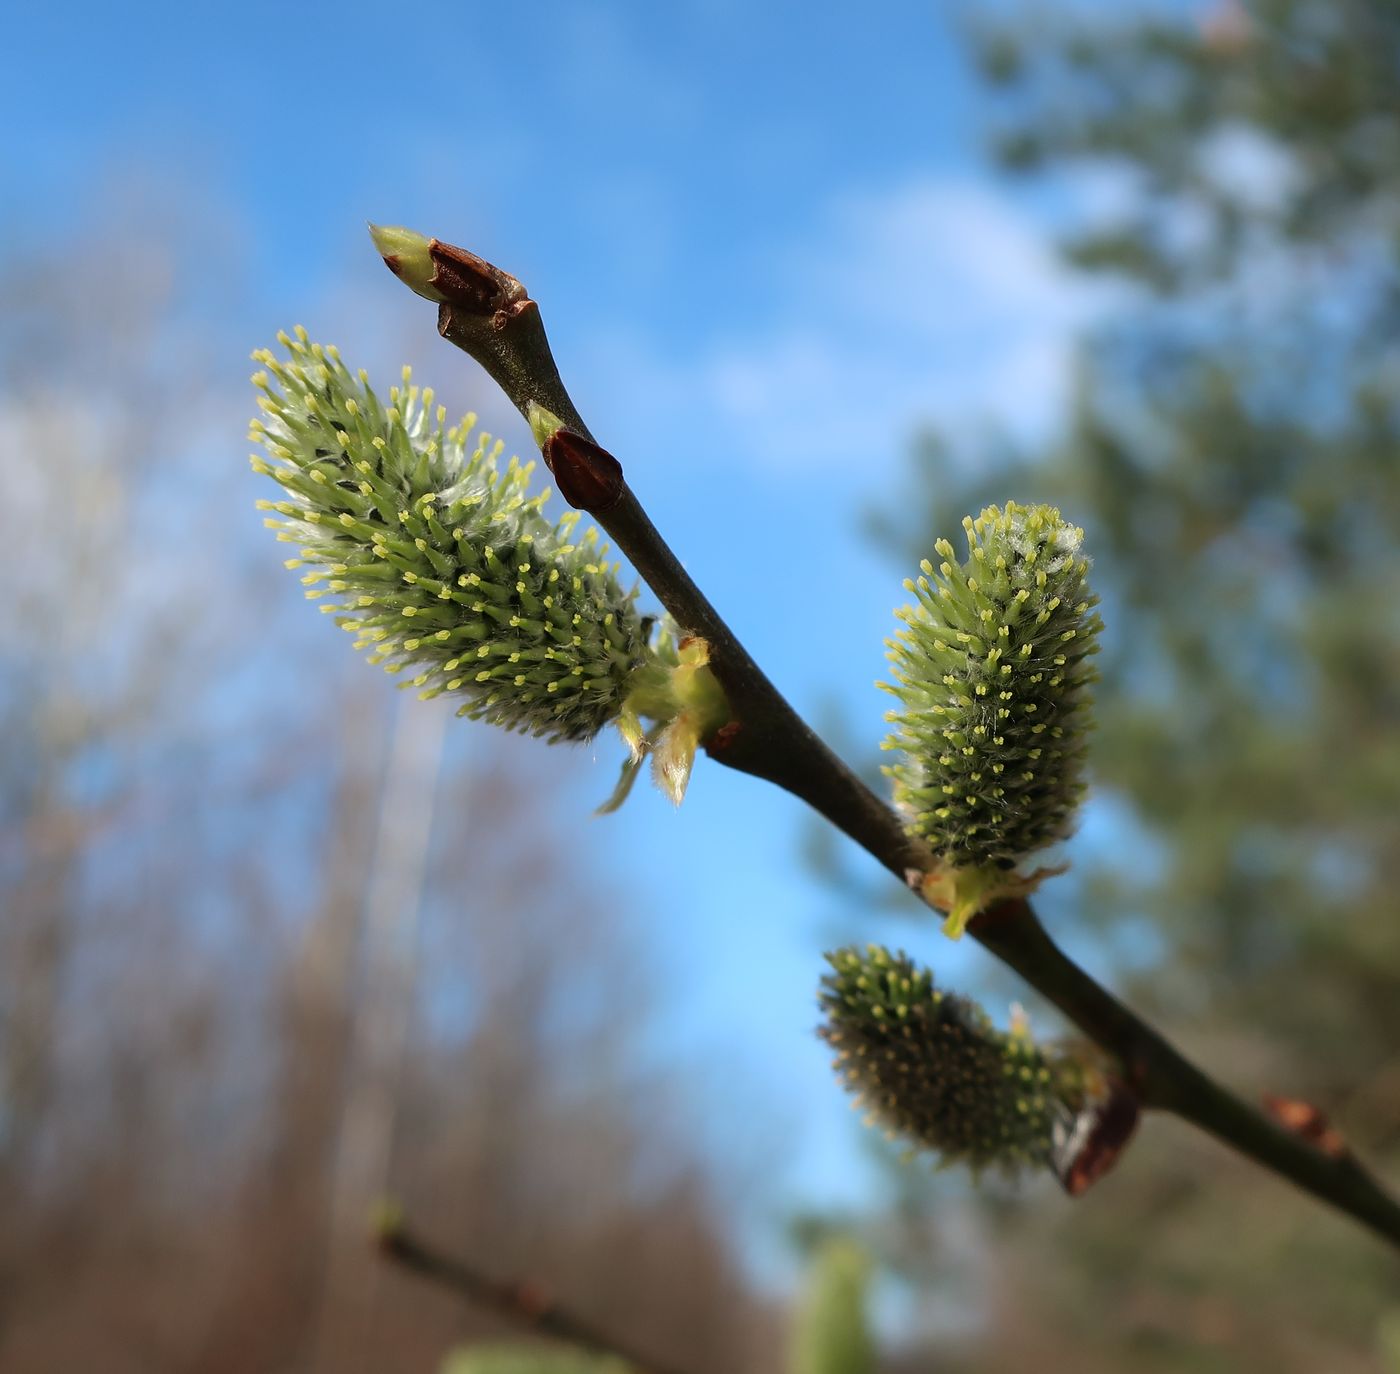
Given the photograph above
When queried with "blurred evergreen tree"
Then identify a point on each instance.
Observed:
(1234, 455)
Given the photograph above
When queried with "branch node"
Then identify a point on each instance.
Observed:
(1308, 1123)
(723, 738)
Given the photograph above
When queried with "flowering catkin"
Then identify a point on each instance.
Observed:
(932, 1068)
(991, 674)
(438, 560)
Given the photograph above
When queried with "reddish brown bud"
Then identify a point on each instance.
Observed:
(469, 283)
(723, 737)
(447, 274)
(1099, 1136)
(531, 1298)
(588, 477)
(1307, 1122)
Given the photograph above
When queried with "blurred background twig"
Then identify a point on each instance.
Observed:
(521, 1301)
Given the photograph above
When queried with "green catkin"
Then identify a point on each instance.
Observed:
(434, 555)
(991, 671)
(932, 1068)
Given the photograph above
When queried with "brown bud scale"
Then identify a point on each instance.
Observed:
(587, 475)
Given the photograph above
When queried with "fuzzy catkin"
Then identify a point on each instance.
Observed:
(991, 674)
(437, 559)
(932, 1068)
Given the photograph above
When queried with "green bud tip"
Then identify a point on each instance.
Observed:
(932, 1068)
(442, 272)
(386, 1220)
(544, 424)
(991, 670)
(405, 253)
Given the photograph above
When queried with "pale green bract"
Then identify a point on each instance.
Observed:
(435, 557)
(992, 677)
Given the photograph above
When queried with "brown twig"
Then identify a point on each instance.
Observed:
(522, 1301)
(767, 738)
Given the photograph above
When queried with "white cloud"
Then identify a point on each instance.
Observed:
(937, 301)
(1256, 169)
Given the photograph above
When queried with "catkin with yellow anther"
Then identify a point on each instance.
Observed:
(992, 674)
(933, 1070)
(434, 555)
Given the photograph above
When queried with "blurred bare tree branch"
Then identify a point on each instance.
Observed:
(186, 845)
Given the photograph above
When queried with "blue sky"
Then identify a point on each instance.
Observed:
(768, 247)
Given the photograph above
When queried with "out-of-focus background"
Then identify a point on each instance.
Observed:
(277, 941)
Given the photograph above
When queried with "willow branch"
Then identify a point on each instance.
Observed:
(521, 1301)
(493, 320)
